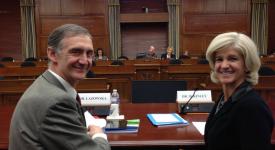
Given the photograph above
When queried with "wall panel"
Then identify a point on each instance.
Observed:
(271, 26)
(94, 24)
(214, 6)
(214, 23)
(192, 6)
(95, 7)
(137, 38)
(79, 12)
(72, 7)
(201, 20)
(10, 29)
(49, 7)
(237, 6)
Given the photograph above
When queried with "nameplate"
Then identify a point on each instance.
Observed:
(95, 99)
(200, 96)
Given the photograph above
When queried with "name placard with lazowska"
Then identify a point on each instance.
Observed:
(96, 103)
(192, 101)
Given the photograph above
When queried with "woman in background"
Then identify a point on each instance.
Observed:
(240, 120)
(169, 54)
(100, 55)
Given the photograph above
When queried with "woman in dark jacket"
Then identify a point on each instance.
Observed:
(240, 120)
(169, 54)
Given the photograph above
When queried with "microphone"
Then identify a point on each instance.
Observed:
(184, 107)
(196, 107)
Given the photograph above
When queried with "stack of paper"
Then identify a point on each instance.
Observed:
(90, 120)
(170, 119)
(130, 127)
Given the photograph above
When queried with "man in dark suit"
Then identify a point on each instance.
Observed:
(48, 115)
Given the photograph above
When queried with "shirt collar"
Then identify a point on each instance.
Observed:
(72, 92)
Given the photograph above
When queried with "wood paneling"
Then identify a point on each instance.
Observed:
(192, 6)
(51, 14)
(72, 7)
(214, 6)
(144, 17)
(95, 24)
(137, 38)
(238, 6)
(271, 26)
(215, 23)
(49, 7)
(10, 29)
(95, 7)
(136, 6)
(204, 19)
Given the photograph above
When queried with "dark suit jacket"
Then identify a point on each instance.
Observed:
(164, 56)
(46, 117)
(243, 123)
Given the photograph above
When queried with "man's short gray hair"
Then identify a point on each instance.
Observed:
(66, 30)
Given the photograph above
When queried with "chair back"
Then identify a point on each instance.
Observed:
(31, 59)
(5, 59)
(28, 64)
(156, 91)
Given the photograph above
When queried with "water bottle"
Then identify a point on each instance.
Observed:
(114, 110)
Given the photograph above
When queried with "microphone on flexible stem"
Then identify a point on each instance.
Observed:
(184, 107)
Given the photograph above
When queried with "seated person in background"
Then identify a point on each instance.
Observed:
(185, 55)
(169, 54)
(151, 53)
(99, 55)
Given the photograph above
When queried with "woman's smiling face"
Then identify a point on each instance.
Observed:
(230, 67)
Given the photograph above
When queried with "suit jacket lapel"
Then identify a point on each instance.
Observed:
(53, 80)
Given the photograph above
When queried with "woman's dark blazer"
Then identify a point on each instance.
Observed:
(243, 123)
(164, 56)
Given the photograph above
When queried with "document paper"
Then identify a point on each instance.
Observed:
(165, 118)
(199, 126)
(90, 120)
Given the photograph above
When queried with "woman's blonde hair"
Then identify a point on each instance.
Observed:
(242, 44)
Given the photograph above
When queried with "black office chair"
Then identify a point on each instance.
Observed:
(266, 71)
(156, 91)
(184, 57)
(123, 58)
(175, 61)
(141, 56)
(90, 74)
(6, 59)
(28, 64)
(117, 62)
(203, 61)
(31, 59)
